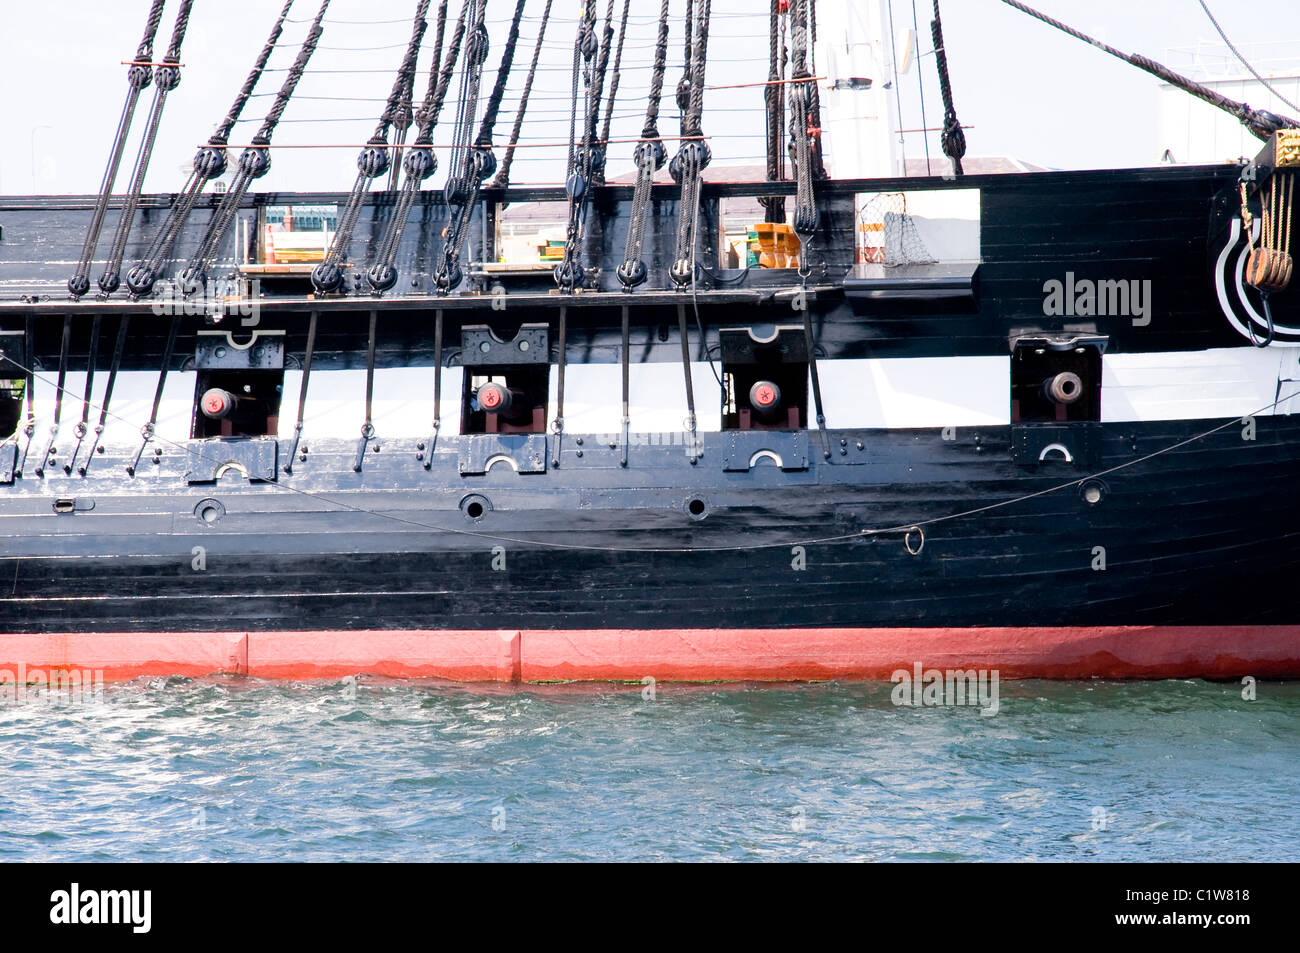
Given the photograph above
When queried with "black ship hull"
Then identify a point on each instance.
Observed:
(1149, 544)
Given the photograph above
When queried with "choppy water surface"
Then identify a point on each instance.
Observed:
(233, 769)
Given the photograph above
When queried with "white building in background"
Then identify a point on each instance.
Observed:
(1192, 131)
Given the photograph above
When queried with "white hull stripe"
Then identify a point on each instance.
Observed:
(866, 393)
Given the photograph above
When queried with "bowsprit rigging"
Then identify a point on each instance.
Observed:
(375, 159)
(1261, 123)
(254, 163)
(209, 163)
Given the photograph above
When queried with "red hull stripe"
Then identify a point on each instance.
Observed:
(671, 654)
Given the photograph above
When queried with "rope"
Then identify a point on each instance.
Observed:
(1261, 123)
(374, 160)
(472, 163)
(209, 163)
(147, 431)
(806, 216)
(814, 96)
(750, 547)
(118, 351)
(570, 272)
(598, 173)
(693, 155)
(253, 164)
(773, 100)
(302, 390)
(82, 424)
(503, 174)
(1244, 62)
(166, 78)
(952, 137)
(138, 78)
(58, 395)
(920, 88)
(503, 75)
(420, 162)
(649, 156)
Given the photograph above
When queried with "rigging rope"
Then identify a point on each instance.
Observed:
(693, 155)
(773, 102)
(138, 78)
(570, 271)
(375, 159)
(209, 163)
(598, 169)
(806, 216)
(472, 164)
(952, 137)
(82, 427)
(420, 162)
(649, 157)
(1244, 62)
(118, 351)
(1260, 122)
(920, 89)
(254, 163)
(503, 174)
(166, 78)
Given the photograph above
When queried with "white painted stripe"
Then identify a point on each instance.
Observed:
(867, 393)
(916, 392)
(1190, 385)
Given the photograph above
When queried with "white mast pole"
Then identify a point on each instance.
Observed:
(859, 128)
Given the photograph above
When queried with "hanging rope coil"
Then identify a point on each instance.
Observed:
(254, 163)
(138, 78)
(953, 139)
(806, 216)
(209, 163)
(649, 157)
(1269, 267)
(374, 160)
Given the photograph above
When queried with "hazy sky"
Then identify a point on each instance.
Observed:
(1024, 89)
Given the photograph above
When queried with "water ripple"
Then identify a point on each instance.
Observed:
(371, 769)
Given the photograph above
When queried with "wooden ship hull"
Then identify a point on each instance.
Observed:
(1038, 423)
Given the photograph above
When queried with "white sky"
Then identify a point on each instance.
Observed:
(1023, 88)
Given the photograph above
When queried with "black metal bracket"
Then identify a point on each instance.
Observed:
(526, 453)
(255, 457)
(743, 449)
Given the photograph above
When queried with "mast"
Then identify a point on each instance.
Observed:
(858, 97)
